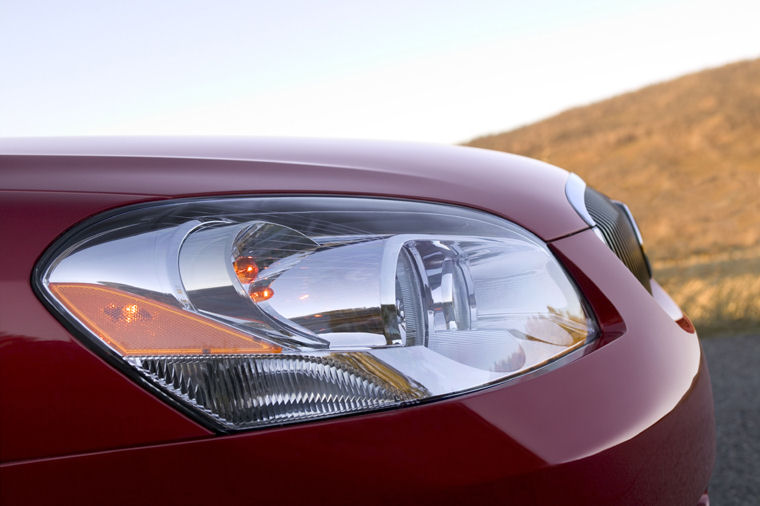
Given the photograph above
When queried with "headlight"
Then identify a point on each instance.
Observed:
(258, 311)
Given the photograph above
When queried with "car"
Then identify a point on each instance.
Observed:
(291, 321)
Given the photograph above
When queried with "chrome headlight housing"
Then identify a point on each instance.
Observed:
(253, 311)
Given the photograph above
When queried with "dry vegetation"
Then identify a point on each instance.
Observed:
(685, 156)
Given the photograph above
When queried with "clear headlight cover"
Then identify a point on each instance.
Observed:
(264, 310)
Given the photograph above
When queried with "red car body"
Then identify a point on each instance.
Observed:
(630, 422)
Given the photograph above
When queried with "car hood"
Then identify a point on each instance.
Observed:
(526, 191)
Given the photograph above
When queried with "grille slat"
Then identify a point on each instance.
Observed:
(620, 234)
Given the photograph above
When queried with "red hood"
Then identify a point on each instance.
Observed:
(526, 191)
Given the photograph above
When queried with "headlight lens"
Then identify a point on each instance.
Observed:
(257, 311)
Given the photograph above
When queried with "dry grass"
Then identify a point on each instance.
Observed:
(720, 297)
(685, 156)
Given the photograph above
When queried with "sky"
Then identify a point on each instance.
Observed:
(433, 71)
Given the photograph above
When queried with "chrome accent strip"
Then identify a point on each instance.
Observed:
(600, 236)
(575, 190)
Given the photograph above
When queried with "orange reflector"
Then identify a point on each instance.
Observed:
(135, 325)
(263, 294)
(246, 269)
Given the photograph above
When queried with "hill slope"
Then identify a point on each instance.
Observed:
(685, 156)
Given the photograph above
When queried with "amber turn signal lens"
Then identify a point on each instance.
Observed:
(134, 325)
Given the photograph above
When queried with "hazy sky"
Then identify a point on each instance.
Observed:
(438, 71)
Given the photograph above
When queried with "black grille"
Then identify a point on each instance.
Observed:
(619, 232)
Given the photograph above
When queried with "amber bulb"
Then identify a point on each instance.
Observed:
(129, 313)
(262, 294)
(246, 269)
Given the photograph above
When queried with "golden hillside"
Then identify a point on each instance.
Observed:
(685, 156)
